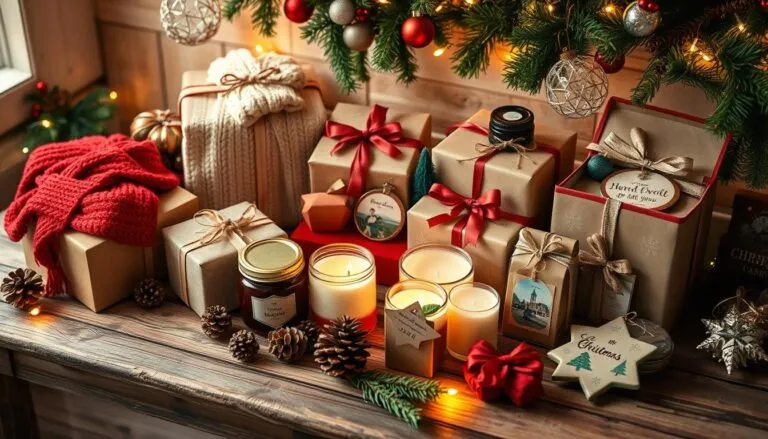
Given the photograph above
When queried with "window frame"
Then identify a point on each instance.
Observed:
(17, 74)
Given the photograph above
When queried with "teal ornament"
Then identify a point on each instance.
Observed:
(599, 167)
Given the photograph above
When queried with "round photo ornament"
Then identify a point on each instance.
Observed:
(641, 188)
(379, 214)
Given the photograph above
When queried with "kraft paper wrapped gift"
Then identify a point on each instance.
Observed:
(664, 248)
(326, 167)
(101, 272)
(251, 143)
(205, 274)
(549, 263)
(490, 254)
(527, 190)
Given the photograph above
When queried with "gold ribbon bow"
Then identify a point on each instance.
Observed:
(484, 150)
(635, 155)
(265, 77)
(551, 248)
(599, 258)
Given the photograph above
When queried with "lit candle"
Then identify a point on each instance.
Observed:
(426, 360)
(342, 281)
(445, 265)
(473, 314)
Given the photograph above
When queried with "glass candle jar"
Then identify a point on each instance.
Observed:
(473, 314)
(273, 284)
(342, 281)
(428, 357)
(445, 265)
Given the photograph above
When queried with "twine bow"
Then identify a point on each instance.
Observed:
(265, 77)
(551, 248)
(599, 258)
(515, 145)
(217, 226)
(635, 155)
(377, 133)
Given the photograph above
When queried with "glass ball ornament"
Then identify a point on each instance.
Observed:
(358, 36)
(190, 22)
(576, 86)
(298, 11)
(640, 22)
(418, 31)
(342, 12)
(599, 167)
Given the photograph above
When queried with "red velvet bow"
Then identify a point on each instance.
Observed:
(518, 373)
(478, 210)
(378, 132)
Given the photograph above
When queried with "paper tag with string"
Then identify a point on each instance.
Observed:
(532, 302)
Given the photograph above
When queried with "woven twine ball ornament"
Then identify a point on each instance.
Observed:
(190, 22)
(576, 86)
(149, 293)
(22, 288)
(287, 344)
(243, 345)
(310, 330)
(216, 321)
(341, 348)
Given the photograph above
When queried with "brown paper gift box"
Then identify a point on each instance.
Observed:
(325, 168)
(664, 248)
(526, 191)
(101, 272)
(251, 163)
(211, 270)
(491, 253)
(563, 277)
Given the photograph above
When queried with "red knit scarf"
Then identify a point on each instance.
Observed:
(102, 186)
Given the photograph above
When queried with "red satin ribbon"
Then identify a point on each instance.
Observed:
(518, 374)
(478, 210)
(379, 133)
(479, 169)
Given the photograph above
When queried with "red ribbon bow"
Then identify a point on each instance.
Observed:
(478, 210)
(518, 373)
(379, 133)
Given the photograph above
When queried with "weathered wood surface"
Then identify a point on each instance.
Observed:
(159, 362)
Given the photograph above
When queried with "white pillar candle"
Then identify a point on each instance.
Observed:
(473, 314)
(445, 265)
(342, 281)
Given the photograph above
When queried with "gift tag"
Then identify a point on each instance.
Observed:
(410, 326)
(617, 304)
(532, 304)
(650, 190)
(379, 214)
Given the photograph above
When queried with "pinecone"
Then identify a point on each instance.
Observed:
(287, 344)
(341, 347)
(243, 345)
(309, 328)
(149, 293)
(216, 321)
(22, 288)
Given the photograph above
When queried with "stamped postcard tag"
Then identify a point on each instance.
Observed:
(533, 303)
(409, 326)
(617, 304)
(651, 191)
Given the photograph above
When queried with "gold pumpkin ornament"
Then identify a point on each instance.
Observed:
(161, 127)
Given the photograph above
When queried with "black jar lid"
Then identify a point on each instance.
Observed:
(511, 121)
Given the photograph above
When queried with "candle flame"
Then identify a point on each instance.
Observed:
(34, 311)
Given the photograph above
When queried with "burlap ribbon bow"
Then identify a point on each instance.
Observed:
(551, 249)
(599, 258)
(635, 155)
(516, 145)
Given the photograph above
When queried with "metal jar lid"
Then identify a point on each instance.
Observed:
(511, 121)
(271, 260)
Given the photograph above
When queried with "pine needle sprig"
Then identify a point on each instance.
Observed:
(409, 387)
(264, 13)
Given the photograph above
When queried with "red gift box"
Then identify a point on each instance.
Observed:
(386, 253)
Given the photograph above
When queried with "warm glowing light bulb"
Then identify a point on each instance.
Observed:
(452, 392)
(550, 7)
(439, 51)
(113, 95)
(25, 150)
(742, 27)
(693, 48)
(439, 8)
(470, 2)
(706, 57)
(259, 48)
(609, 9)
(34, 311)
(46, 123)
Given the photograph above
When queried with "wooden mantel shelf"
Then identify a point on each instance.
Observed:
(159, 362)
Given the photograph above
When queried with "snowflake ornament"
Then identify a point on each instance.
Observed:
(733, 340)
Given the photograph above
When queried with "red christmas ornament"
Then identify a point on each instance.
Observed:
(298, 11)
(517, 374)
(362, 14)
(418, 31)
(649, 5)
(41, 86)
(764, 4)
(37, 110)
(609, 66)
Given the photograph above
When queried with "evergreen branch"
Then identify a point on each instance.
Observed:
(264, 13)
(387, 398)
(321, 30)
(405, 386)
(485, 25)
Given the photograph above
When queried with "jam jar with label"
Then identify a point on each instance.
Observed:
(273, 286)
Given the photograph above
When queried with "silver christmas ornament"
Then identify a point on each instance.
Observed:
(358, 36)
(639, 22)
(576, 86)
(190, 22)
(342, 12)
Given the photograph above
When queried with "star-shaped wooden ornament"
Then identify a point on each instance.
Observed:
(733, 340)
(600, 358)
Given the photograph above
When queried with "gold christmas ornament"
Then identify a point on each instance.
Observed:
(190, 22)
(161, 127)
